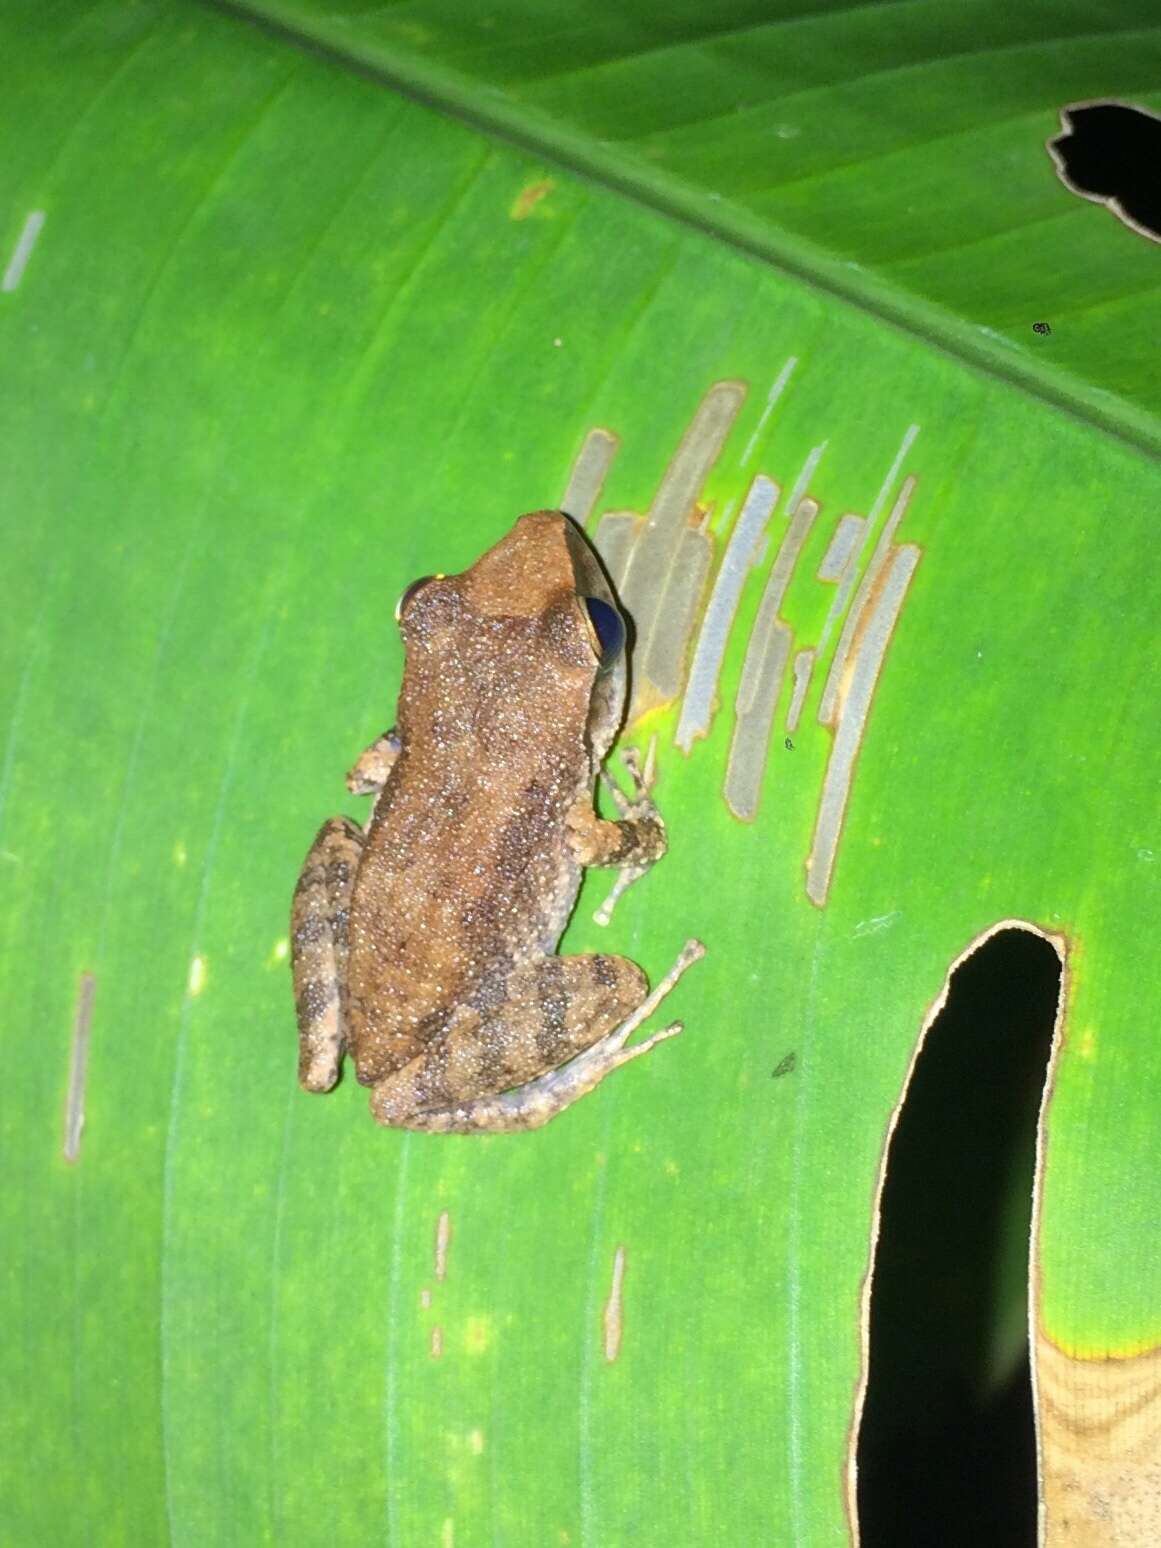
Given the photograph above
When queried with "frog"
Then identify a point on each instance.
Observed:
(424, 942)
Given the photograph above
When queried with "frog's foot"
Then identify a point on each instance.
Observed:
(369, 772)
(318, 949)
(623, 880)
(533, 1104)
(636, 808)
(642, 777)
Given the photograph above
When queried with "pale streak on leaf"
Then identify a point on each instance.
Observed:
(877, 925)
(803, 670)
(852, 720)
(879, 559)
(22, 252)
(612, 1318)
(771, 603)
(588, 475)
(669, 561)
(740, 556)
(749, 748)
(664, 662)
(847, 583)
(771, 399)
(841, 549)
(79, 1067)
(762, 673)
(442, 1240)
(197, 976)
(680, 485)
(614, 542)
(802, 483)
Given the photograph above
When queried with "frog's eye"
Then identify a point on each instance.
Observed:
(406, 596)
(608, 630)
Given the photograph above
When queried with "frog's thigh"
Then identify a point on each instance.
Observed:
(318, 949)
(553, 1008)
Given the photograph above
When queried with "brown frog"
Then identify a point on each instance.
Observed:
(425, 944)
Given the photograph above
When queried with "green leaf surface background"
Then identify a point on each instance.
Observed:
(285, 339)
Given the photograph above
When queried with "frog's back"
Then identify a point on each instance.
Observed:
(467, 869)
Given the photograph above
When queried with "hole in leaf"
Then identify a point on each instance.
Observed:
(1110, 153)
(946, 1448)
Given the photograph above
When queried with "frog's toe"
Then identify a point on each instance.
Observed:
(617, 1054)
(318, 1068)
(642, 772)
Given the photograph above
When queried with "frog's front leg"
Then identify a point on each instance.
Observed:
(633, 844)
(497, 1069)
(636, 841)
(319, 949)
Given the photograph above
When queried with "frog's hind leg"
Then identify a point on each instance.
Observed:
(319, 948)
(497, 1071)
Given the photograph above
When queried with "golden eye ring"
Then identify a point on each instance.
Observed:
(406, 596)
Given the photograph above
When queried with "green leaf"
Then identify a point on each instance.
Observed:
(278, 338)
(893, 153)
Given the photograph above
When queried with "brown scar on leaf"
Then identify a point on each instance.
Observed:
(1098, 1415)
(1099, 1438)
(528, 198)
(612, 1315)
(1061, 947)
(79, 1067)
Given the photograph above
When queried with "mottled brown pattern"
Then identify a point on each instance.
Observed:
(541, 1098)
(318, 949)
(315, 997)
(311, 930)
(441, 928)
(633, 841)
(556, 1007)
(552, 998)
(605, 970)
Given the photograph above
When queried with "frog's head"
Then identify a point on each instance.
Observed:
(535, 618)
(544, 563)
(542, 566)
